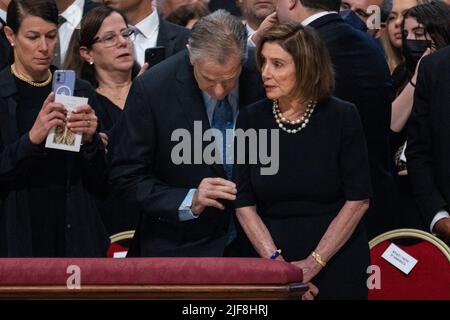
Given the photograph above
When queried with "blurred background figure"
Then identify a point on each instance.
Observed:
(361, 10)
(69, 18)
(425, 29)
(106, 50)
(47, 207)
(151, 29)
(254, 12)
(167, 7)
(5, 48)
(392, 39)
(188, 15)
(229, 5)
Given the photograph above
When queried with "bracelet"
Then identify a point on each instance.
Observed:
(276, 254)
(318, 259)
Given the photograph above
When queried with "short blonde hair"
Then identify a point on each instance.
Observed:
(314, 69)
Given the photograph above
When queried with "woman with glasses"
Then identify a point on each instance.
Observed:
(47, 208)
(106, 47)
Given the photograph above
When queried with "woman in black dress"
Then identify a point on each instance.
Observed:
(312, 207)
(46, 204)
(107, 62)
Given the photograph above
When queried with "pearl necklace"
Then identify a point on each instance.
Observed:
(31, 82)
(302, 121)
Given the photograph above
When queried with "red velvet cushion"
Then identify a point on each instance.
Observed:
(429, 279)
(105, 271)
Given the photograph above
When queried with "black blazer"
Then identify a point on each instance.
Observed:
(171, 36)
(164, 99)
(85, 234)
(363, 78)
(5, 47)
(428, 148)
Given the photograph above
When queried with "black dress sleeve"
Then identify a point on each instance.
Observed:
(241, 171)
(354, 160)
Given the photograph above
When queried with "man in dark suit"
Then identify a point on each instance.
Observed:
(428, 149)
(186, 205)
(70, 14)
(363, 78)
(151, 29)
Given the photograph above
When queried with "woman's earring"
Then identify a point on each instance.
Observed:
(12, 44)
(91, 62)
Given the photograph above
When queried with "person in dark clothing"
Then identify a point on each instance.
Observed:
(106, 46)
(311, 208)
(362, 78)
(425, 29)
(46, 203)
(186, 207)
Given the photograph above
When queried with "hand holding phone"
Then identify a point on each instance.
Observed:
(155, 55)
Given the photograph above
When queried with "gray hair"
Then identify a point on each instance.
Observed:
(217, 37)
(386, 9)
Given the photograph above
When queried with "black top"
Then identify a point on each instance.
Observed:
(110, 112)
(117, 214)
(47, 182)
(319, 167)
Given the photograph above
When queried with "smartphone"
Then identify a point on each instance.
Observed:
(155, 55)
(64, 82)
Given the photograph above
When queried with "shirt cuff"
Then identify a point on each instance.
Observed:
(439, 216)
(184, 211)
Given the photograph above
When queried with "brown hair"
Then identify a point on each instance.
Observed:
(89, 26)
(19, 9)
(314, 70)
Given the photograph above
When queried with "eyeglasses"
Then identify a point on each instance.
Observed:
(110, 39)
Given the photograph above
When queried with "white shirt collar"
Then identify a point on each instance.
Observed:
(149, 25)
(74, 13)
(316, 16)
(250, 31)
(3, 15)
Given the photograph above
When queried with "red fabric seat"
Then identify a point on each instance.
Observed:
(141, 271)
(428, 280)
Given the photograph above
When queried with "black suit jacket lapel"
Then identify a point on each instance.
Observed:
(165, 37)
(191, 100)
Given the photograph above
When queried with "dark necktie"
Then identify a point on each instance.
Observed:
(223, 120)
(57, 57)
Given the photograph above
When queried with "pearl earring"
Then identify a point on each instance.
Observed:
(12, 44)
(91, 62)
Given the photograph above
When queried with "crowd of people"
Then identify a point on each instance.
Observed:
(355, 101)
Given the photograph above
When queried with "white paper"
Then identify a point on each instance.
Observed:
(399, 258)
(61, 137)
(120, 254)
(403, 155)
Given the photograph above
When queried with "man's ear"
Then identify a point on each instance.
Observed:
(9, 33)
(85, 53)
(293, 4)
